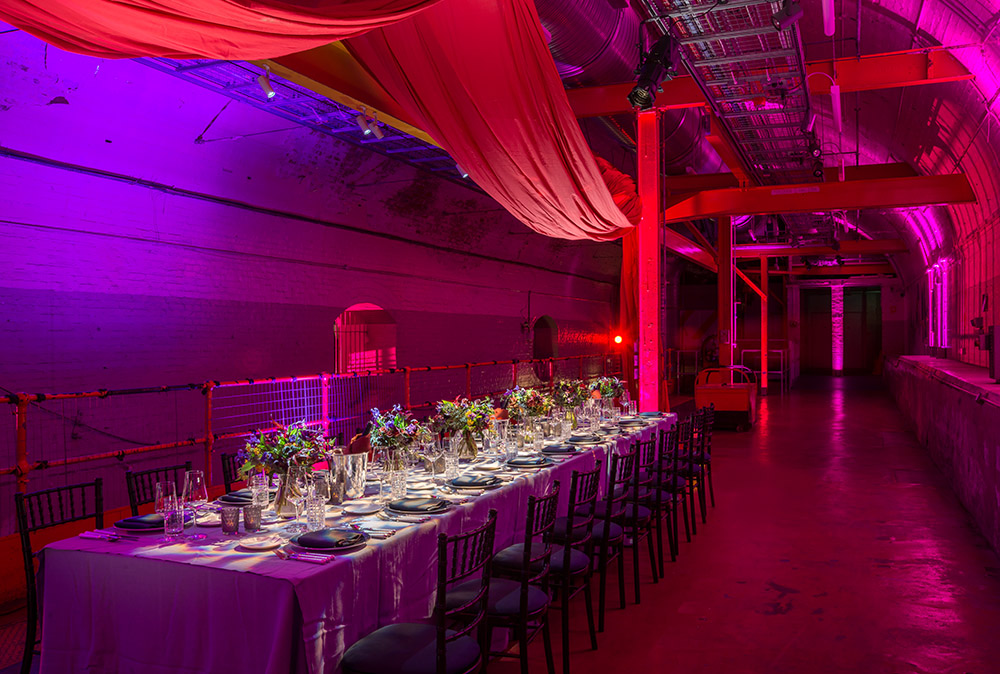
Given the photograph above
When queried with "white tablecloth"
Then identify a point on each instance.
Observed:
(153, 608)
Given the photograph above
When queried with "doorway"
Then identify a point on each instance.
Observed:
(817, 331)
(862, 329)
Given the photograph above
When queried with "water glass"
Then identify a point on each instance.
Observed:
(450, 465)
(230, 520)
(258, 489)
(397, 483)
(173, 523)
(315, 512)
(165, 497)
(195, 493)
(251, 518)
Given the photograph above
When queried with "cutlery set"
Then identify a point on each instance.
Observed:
(310, 557)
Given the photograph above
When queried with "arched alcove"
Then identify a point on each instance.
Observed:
(545, 344)
(365, 336)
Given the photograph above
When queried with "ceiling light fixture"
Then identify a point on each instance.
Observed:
(811, 124)
(363, 124)
(264, 80)
(461, 171)
(829, 20)
(838, 117)
(658, 65)
(818, 169)
(787, 16)
(815, 151)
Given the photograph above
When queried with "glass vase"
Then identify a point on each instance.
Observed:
(283, 504)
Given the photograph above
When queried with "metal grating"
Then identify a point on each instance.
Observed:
(752, 74)
(238, 80)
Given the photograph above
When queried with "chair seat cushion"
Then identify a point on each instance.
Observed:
(408, 648)
(504, 598)
(512, 558)
(579, 533)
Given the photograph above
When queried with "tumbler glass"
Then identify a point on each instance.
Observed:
(251, 518)
(230, 521)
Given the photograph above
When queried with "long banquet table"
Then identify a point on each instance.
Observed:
(201, 606)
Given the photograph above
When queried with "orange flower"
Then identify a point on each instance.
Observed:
(500, 413)
(595, 394)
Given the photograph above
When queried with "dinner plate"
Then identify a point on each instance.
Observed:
(261, 543)
(333, 550)
(584, 440)
(561, 448)
(362, 508)
(394, 506)
(488, 465)
(159, 530)
(529, 462)
(422, 485)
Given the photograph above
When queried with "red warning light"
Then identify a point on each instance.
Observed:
(618, 339)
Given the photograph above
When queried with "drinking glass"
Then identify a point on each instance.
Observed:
(195, 493)
(297, 490)
(173, 520)
(451, 458)
(319, 493)
(258, 489)
(432, 451)
(165, 497)
(230, 516)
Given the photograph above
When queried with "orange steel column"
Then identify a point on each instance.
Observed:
(650, 375)
(763, 326)
(726, 337)
(209, 437)
(21, 423)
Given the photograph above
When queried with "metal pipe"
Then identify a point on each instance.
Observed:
(209, 441)
(22, 467)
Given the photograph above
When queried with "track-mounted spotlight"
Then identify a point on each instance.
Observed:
(818, 169)
(264, 80)
(461, 171)
(363, 124)
(811, 124)
(787, 16)
(815, 151)
(658, 65)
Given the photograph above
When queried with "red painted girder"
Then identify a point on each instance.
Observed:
(809, 197)
(714, 181)
(859, 247)
(844, 270)
(876, 71)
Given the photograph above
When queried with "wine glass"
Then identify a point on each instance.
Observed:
(195, 493)
(433, 451)
(297, 490)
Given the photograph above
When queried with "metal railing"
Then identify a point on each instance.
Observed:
(338, 403)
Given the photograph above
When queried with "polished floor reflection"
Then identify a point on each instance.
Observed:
(836, 546)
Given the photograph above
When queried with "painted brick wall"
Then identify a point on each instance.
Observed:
(135, 254)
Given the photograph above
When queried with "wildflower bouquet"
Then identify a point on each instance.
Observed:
(394, 429)
(570, 393)
(274, 450)
(608, 387)
(526, 402)
(465, 415)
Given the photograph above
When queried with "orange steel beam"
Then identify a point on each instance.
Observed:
(333, 72)
(859, 247)
(746, 279)
(842, 270)
(651, 386)
(876, 71)
(715, 181)
(809, 197)
(723, 144)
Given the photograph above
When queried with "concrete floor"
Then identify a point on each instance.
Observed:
(835, 547)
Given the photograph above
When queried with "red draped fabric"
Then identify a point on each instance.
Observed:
(218, 29)
(478, 77)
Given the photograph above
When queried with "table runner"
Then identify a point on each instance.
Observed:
(151, 608)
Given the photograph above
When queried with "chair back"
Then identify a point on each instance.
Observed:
(623, 466)
(685, 443)
(646, 461)
(459, 557)
(142, 484)
(230, 470)
(49, 508)
(709, 427)
(541, 520)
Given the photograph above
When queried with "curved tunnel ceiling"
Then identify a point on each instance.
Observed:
(938, 129)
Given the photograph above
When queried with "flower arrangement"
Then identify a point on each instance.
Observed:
(274, 450)
(465, 415)
(394, 429)
(570, 393)
(526, 402)
(607, 387)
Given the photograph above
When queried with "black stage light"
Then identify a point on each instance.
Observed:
(818, 169)
(658, 65)
(815, 151)
(787, 16)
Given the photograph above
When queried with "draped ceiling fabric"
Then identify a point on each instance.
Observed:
(477, 76)
(218, 29)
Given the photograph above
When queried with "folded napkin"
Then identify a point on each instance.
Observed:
(529, 461)
(146, 522)
(329, 539)
(649, 415)
(418, 505)
(583, 439)
(475, 481)
(561, 448)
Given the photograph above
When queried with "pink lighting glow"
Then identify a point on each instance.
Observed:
(837, 342)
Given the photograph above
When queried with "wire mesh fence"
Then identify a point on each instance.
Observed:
(62, 439)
